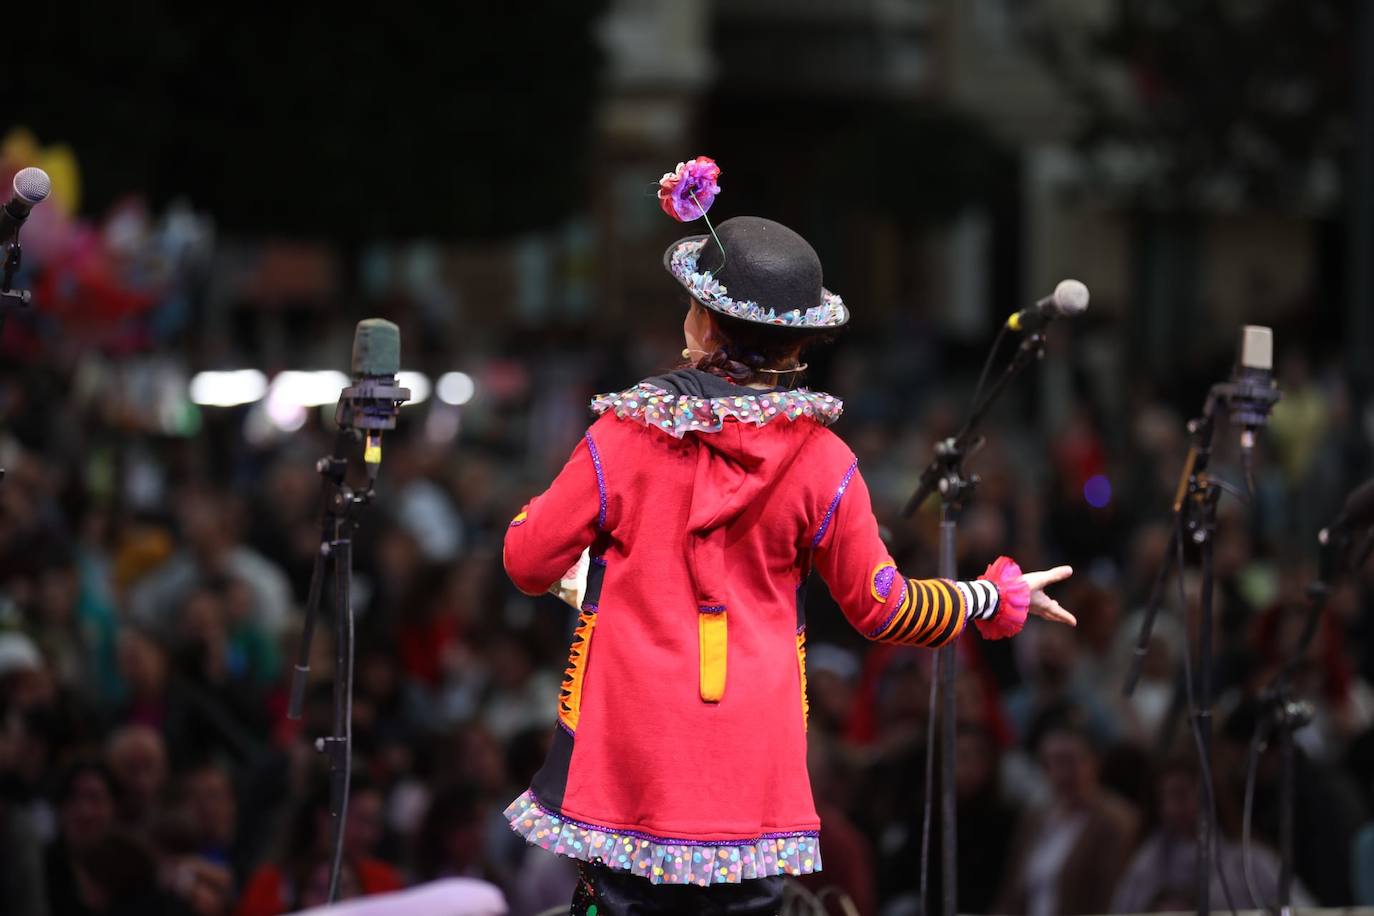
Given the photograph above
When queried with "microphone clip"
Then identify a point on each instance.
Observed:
(1249, 396)
(370, 404)
(10, 298)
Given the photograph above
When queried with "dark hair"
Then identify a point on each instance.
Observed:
(301, 841)
(66, 782)
(456, 806)
(748, 347)
(1062, 718)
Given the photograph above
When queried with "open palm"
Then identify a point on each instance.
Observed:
(1041, 604)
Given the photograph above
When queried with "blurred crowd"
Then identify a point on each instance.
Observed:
(151, 590)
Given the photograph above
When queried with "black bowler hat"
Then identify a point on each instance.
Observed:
(767, 275)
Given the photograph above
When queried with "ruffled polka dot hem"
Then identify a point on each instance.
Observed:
(679, 414)
(661, 860)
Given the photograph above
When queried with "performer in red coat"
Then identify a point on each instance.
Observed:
(705, 498)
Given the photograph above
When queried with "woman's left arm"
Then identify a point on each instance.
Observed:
(548, 536)
(886, 606)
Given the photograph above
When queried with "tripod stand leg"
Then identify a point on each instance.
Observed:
(1147, 624)
(1286, 820)
(341, 743)
(300, 675)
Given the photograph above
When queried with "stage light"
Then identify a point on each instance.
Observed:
(229, 388)
(1097, 490)
(307, 389)
(419, 386)
(442, 424)
(455, 388)
(283, 414)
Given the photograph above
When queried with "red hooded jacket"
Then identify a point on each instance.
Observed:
(681, 747)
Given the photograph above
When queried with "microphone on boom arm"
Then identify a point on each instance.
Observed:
(1069, 298)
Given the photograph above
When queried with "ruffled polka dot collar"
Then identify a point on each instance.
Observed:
(679, 414)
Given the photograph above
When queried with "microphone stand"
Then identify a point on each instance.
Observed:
(946, 475)
(1195, 515)
(1287, 715)
(366, 408)
(8, 295)
(1284, 714)
(11, 298)
(341, 506)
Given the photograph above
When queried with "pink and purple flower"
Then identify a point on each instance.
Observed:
(687, 192)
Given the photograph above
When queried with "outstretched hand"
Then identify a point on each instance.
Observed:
(1041, 604)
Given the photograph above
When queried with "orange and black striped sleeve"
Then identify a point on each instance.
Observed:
(877, 599)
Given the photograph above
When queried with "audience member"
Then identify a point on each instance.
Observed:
(150, 597)
(1066, 857)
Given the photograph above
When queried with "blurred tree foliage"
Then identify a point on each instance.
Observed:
(394, 119)
(1225, 102)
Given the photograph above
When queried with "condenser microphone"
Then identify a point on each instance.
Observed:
(1069, 298)
(1252, 392)
(31, 188)
(370, 404)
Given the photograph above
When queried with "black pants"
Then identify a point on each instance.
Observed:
(604, 892)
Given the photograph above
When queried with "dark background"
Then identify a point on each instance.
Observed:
(236, 185)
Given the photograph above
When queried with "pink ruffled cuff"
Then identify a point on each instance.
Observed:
(1013, 600)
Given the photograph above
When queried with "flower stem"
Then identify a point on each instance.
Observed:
(691, 192)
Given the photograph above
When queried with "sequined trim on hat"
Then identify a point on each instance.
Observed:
(713, 294)
(678, 415)
(662, 860)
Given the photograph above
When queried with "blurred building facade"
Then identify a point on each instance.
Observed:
(924, 146)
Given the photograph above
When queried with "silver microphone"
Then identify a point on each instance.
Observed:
(1069, 298)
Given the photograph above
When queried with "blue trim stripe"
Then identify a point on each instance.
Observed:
(834, 504)
(600, 480)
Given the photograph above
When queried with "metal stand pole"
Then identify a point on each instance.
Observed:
(1195, 514)
(1206, 822)
(11, 298)
(945, 475)
(340, 744)
(946, 665)
(338, 519)
(1285, 821)
(1285, 714)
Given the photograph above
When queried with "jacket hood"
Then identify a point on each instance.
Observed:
(747, 437)
(740, 462)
